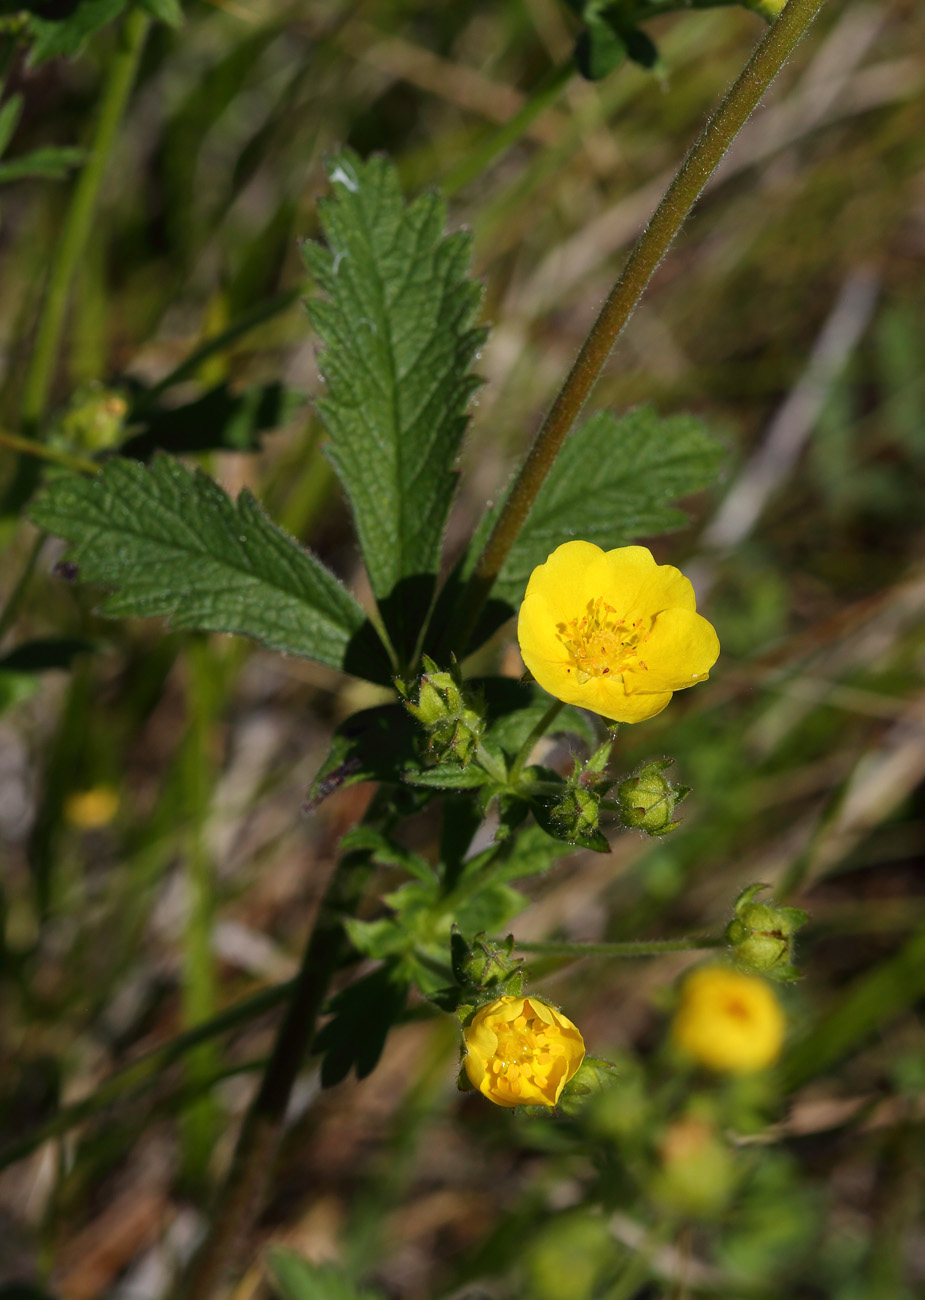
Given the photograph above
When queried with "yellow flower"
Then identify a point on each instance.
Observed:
(729, 1021)
(613, 631)
(521, 1052)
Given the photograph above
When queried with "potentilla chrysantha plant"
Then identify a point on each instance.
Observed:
(608, 636)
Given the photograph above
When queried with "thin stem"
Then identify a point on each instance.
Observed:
(538, 731)
(63, 458)
(79, 219)
(627, 948)
(652, 245)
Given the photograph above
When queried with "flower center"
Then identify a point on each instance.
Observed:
(600, 644)
(524, 1053)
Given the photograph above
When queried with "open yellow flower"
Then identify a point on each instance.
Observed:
(613, 631)
(729, 1021)
(521, 1052)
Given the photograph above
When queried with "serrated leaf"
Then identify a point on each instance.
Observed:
(529, 853)
(447, 776)
(48, 164)
(294, 1278)
(382, 938)
(171, 543)
(219, 419)
(67, 36)
(397, 325)
(490, 909)
(611, 484)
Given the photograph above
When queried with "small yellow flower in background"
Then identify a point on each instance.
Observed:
(613, 631)
(88, 810)
(729, 1021)
(521, 1052)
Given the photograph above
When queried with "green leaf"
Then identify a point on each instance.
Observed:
(67, 36)
(372, 745)
(529, 853)
(219, 419)
(171, 543)
(447, 776)
(296, 1279)
(387, 853)
(513, 708)
(164, 11)
(382, 938)
(397, 325)
(362, 1015)
(611, 484)
(48, 164)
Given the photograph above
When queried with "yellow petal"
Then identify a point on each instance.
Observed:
(681, 649)
(642, 588)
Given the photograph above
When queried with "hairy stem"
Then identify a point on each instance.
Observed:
(652, 245)
(79, 219)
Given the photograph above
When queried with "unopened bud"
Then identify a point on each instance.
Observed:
(453, 725)
(761, 935)
(648, 799)
(577, 813)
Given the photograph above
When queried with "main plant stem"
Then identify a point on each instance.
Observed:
(79, 219)
(652, 245)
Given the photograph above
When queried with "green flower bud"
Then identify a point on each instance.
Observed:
(454, 727)
(647, 799)
(576, 813)
(761, 935)
(95, 418)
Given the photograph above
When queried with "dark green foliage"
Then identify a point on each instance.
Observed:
(361, 1016)
(397, 325)
(612, 484)
(172, 544)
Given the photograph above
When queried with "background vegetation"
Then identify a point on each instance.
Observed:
(789, 316)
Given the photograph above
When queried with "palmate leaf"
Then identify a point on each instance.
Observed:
(612, 484)
(397, 325)
(171, 543)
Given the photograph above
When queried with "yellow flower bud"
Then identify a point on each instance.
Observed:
(521, 1052)
(729, 1021)
(613, 631)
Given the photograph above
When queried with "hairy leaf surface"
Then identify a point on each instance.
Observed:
(397, 325)
(171, 543)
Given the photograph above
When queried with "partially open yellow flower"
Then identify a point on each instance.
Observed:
(613, 631)
(521, 1052)
(729, 1021)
